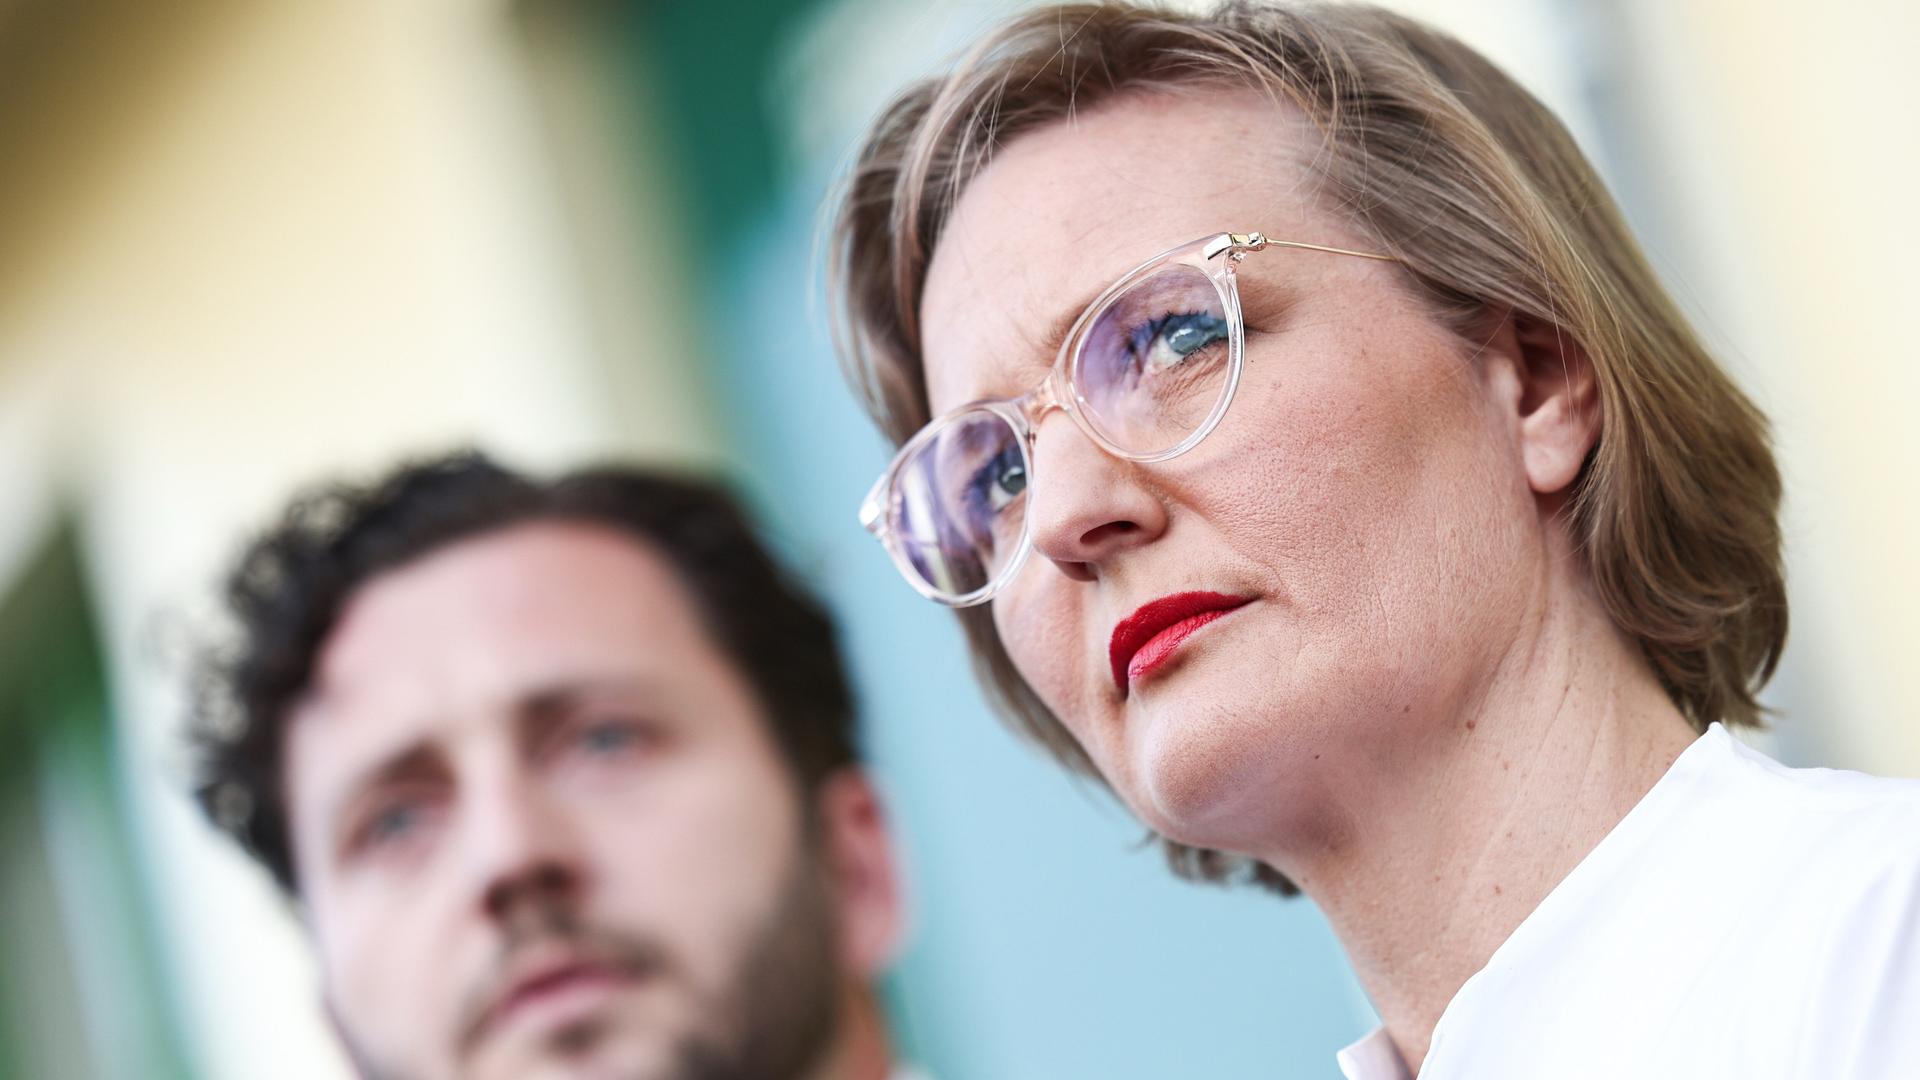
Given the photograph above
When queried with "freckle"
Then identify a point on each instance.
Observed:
(1316, 757)
(1405, 709)
(1496, 890)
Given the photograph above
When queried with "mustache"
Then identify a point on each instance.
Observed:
(550, 931)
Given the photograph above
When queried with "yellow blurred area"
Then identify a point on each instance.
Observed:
(247, 245)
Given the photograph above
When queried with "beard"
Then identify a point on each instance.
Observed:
(771, 1019)
(781, 1008)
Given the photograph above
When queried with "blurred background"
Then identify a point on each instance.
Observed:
(244, 245)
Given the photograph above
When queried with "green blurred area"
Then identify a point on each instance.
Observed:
(710, 66)
(80, 994)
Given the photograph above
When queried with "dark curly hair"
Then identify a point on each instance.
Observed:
(291, 583)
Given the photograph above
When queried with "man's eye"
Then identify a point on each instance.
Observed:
(392, 823)
(610, 737)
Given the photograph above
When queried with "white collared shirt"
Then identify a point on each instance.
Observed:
(1745, 920)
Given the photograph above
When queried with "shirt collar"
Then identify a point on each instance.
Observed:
(1373, 1058)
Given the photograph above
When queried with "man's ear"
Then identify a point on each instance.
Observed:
(859, 859)
(1559, 404)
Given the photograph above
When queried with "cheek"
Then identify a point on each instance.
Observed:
(696, 858)
(387, 974)
(1038, 619)
(1048, 632)
(1383, 495)
(1359, 465)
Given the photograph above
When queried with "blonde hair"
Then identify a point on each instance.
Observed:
(1444, 161)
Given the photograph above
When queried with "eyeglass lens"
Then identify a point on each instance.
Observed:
(1150, 368)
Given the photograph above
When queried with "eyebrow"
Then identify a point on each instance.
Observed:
(1063, 324)
(541, 703)
(1050, 344)
(410, 760)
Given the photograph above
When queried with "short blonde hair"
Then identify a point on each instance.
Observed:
(1444, 161)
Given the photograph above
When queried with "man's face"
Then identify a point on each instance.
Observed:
(542, 829)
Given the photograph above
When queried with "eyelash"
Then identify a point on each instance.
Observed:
(367, 837)
(633, 734)
(1140, 340)
(987, 476)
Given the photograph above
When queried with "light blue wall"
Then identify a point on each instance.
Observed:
(1049, 941)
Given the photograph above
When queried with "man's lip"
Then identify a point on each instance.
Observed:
(1180, 613)
(550, 981)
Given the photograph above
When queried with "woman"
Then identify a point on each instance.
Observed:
(1315, 460)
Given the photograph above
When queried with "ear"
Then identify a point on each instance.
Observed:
(1559, 405)
(860, 859)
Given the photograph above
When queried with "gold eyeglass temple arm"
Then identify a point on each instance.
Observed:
(1255, 241)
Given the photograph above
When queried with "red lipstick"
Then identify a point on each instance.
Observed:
(1147, 638)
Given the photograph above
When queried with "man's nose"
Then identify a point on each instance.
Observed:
(525, 852)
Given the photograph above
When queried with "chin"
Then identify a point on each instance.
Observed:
(607, 1049)
(1220, 765)
(1197, 769)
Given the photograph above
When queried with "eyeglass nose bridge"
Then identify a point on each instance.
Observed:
(1051, 394)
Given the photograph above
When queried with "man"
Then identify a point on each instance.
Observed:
(562, 777)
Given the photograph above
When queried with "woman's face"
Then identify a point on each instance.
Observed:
(1364, 493)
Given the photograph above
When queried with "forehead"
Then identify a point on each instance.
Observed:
(473, 627)
(1064, 210)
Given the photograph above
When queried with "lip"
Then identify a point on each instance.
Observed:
(554, 990)
(1148, 638)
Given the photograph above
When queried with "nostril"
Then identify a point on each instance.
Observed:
(1107, 533)
(552, 878)
(1076, 571)
(536, 886)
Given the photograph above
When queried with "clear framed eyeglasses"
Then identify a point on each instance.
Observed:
(1146, 372)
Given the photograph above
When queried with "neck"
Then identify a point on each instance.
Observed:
(1481, 822)
(860, 1049)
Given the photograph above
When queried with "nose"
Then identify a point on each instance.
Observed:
(526, 862)
(1087, 506)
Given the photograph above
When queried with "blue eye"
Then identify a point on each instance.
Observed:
(1000, 481)
(611, 737)
(393, 823)
(1166, 341)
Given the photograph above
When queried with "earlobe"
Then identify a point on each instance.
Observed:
(1559, 405)
(860, 860)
